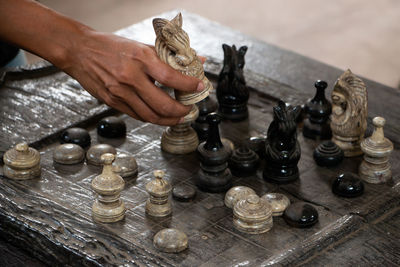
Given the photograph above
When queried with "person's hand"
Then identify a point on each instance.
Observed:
(121, 73)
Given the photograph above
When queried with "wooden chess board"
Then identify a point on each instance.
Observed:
(51, 216)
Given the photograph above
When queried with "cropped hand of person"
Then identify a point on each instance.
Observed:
(116, 70)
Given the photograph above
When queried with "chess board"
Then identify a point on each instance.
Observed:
(51, 216)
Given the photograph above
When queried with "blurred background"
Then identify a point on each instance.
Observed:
(363, 35)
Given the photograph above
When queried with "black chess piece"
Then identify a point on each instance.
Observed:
(257, 144)
(232, 92)
(75, 135)
(214, 175)
(111, 127)
(328, 154)
(244, 162)
(318, 110)
(348, 185)
(205, 106)
(301, 215)
(282, 150)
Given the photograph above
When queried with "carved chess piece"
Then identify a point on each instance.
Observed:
(279, 202)
(349, 113)
(108, 207)
(76, 135)
(125, 165)
(300, 215)
(244, 162)
(68, 154)
(95, 152)
(158, 204)
(181, 138)
(205, 106)
(111, 127)
(170, 240)
(318, 110)
(232, 92)
(282, 151)
(214, 175)
(328, 154)
(22, 162)
(173, 47)
(237, 193)
(375, 167)
(252, 215)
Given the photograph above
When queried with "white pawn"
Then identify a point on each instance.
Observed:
(158, 204)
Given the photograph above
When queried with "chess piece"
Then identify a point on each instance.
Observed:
(158, 204)
(252, 215)
(347, 185)
(318, 110)
(205, 106)
(214, 175)
(244, 162)
(257, 144)
(170, 240)
(68, 154)
(232, 92)
(108, 207)
(349, 113)
(95, 152)
(181, 138)
(173, 47)
(21, 162)
(279, 202)
(282, 151)
(183, 193)
(237, 193)
(75, 135)
(375, 167)
(300, 215)
(328, 154)
(125, 165)
(111, 127)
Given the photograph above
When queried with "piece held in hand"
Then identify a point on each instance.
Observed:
(328, 154)
(68, 154)
(205, 106)
(78, 136)
(375, 167)
(22, 162)
(237, 193)
(318, 110)
(108, 207)
(232, 92)
(300, 215)
(125, 165)
(111, 127)
(181, 138)
(93, 155)
(282, 150)
(183, 193)
(214, 175)
(279, 202)
(170, 240)
(349, 113)
(348, 185)
(244, 162)
(158, 204)
(252, 215)
(173, 47)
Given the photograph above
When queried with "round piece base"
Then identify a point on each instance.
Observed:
(103, 214)
(22, 174)
(268, 176)
(156, 210)
(374, 175)
(252, 228)
(214, 183)
(179, 144)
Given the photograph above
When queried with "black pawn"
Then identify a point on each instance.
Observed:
(232, 92)
(183, 193)
(318, 110)
(205, 106)
(348, 185)
(244, 162)
(328, 154)
(214, 175)
(111, 127)
(257, 144)
(282, 150)
(78, 136)
(300, 215)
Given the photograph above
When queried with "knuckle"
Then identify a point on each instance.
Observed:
(153, 118)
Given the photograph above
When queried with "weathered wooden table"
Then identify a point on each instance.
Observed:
(50, 218)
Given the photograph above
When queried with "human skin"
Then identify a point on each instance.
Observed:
(116, 70)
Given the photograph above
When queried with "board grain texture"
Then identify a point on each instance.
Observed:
(50, 218)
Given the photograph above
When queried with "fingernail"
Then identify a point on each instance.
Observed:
(200, 87)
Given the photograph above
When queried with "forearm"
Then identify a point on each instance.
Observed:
(40, 30)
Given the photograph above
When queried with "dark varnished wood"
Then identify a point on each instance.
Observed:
(51, 217)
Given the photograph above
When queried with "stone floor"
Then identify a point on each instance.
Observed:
(357, 34)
